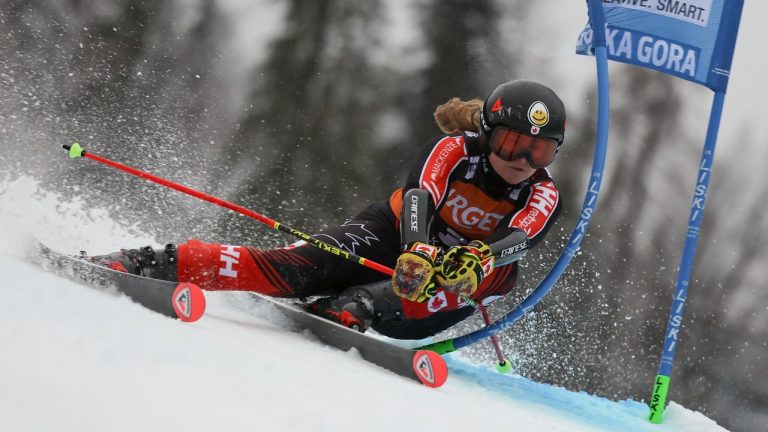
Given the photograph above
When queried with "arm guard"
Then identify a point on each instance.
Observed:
(507, 245)
(415, 217)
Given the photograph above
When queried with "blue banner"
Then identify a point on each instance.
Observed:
(691, 39)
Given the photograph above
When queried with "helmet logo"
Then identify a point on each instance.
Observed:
(497, 106)
(538, 114)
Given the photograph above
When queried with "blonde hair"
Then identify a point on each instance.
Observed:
(457, 114)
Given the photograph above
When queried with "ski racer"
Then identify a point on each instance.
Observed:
(477, 198)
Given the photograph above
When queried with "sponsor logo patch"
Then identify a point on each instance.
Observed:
(424, 368)
(497, 106)
(230, 257)
(437, 302)
(183, 301)
(471, 212)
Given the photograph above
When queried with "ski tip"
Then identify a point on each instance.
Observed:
(430, 368)
(188, 302)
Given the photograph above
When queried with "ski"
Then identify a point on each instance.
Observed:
(184, 301)
(426, 367)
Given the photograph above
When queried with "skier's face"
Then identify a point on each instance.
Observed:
(514, 171)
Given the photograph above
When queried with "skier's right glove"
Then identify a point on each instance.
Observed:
(414, 277)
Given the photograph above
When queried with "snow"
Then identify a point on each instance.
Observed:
(74, 358)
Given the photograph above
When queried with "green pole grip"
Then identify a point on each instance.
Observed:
(659, 398)
(442, 347)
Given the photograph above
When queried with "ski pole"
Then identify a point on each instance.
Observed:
(503, 366)
(76, 151)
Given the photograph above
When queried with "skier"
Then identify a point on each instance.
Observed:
(477, 198)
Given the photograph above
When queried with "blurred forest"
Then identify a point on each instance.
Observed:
(324, 112)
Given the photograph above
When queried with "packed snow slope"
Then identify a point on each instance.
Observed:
(73, 358)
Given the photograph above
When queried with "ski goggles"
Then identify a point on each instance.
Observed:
(510, 144)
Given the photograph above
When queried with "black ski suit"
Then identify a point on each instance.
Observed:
(469, 202)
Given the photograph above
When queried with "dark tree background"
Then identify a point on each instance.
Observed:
(329, 120)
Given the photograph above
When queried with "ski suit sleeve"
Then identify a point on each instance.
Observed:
(416, 217)
(432, 170)
(427, 186)
(526, 227)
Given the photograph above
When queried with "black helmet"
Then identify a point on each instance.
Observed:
(525, 106)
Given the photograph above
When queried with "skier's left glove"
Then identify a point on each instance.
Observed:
(464, 268)
(414, 277)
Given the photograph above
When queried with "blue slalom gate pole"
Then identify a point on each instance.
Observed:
(661, 385)
(656, 39)
(590, 201)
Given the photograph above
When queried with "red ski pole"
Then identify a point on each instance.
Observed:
(76, 151)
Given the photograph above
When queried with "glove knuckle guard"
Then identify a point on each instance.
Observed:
(414, 274)
(465, 267)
